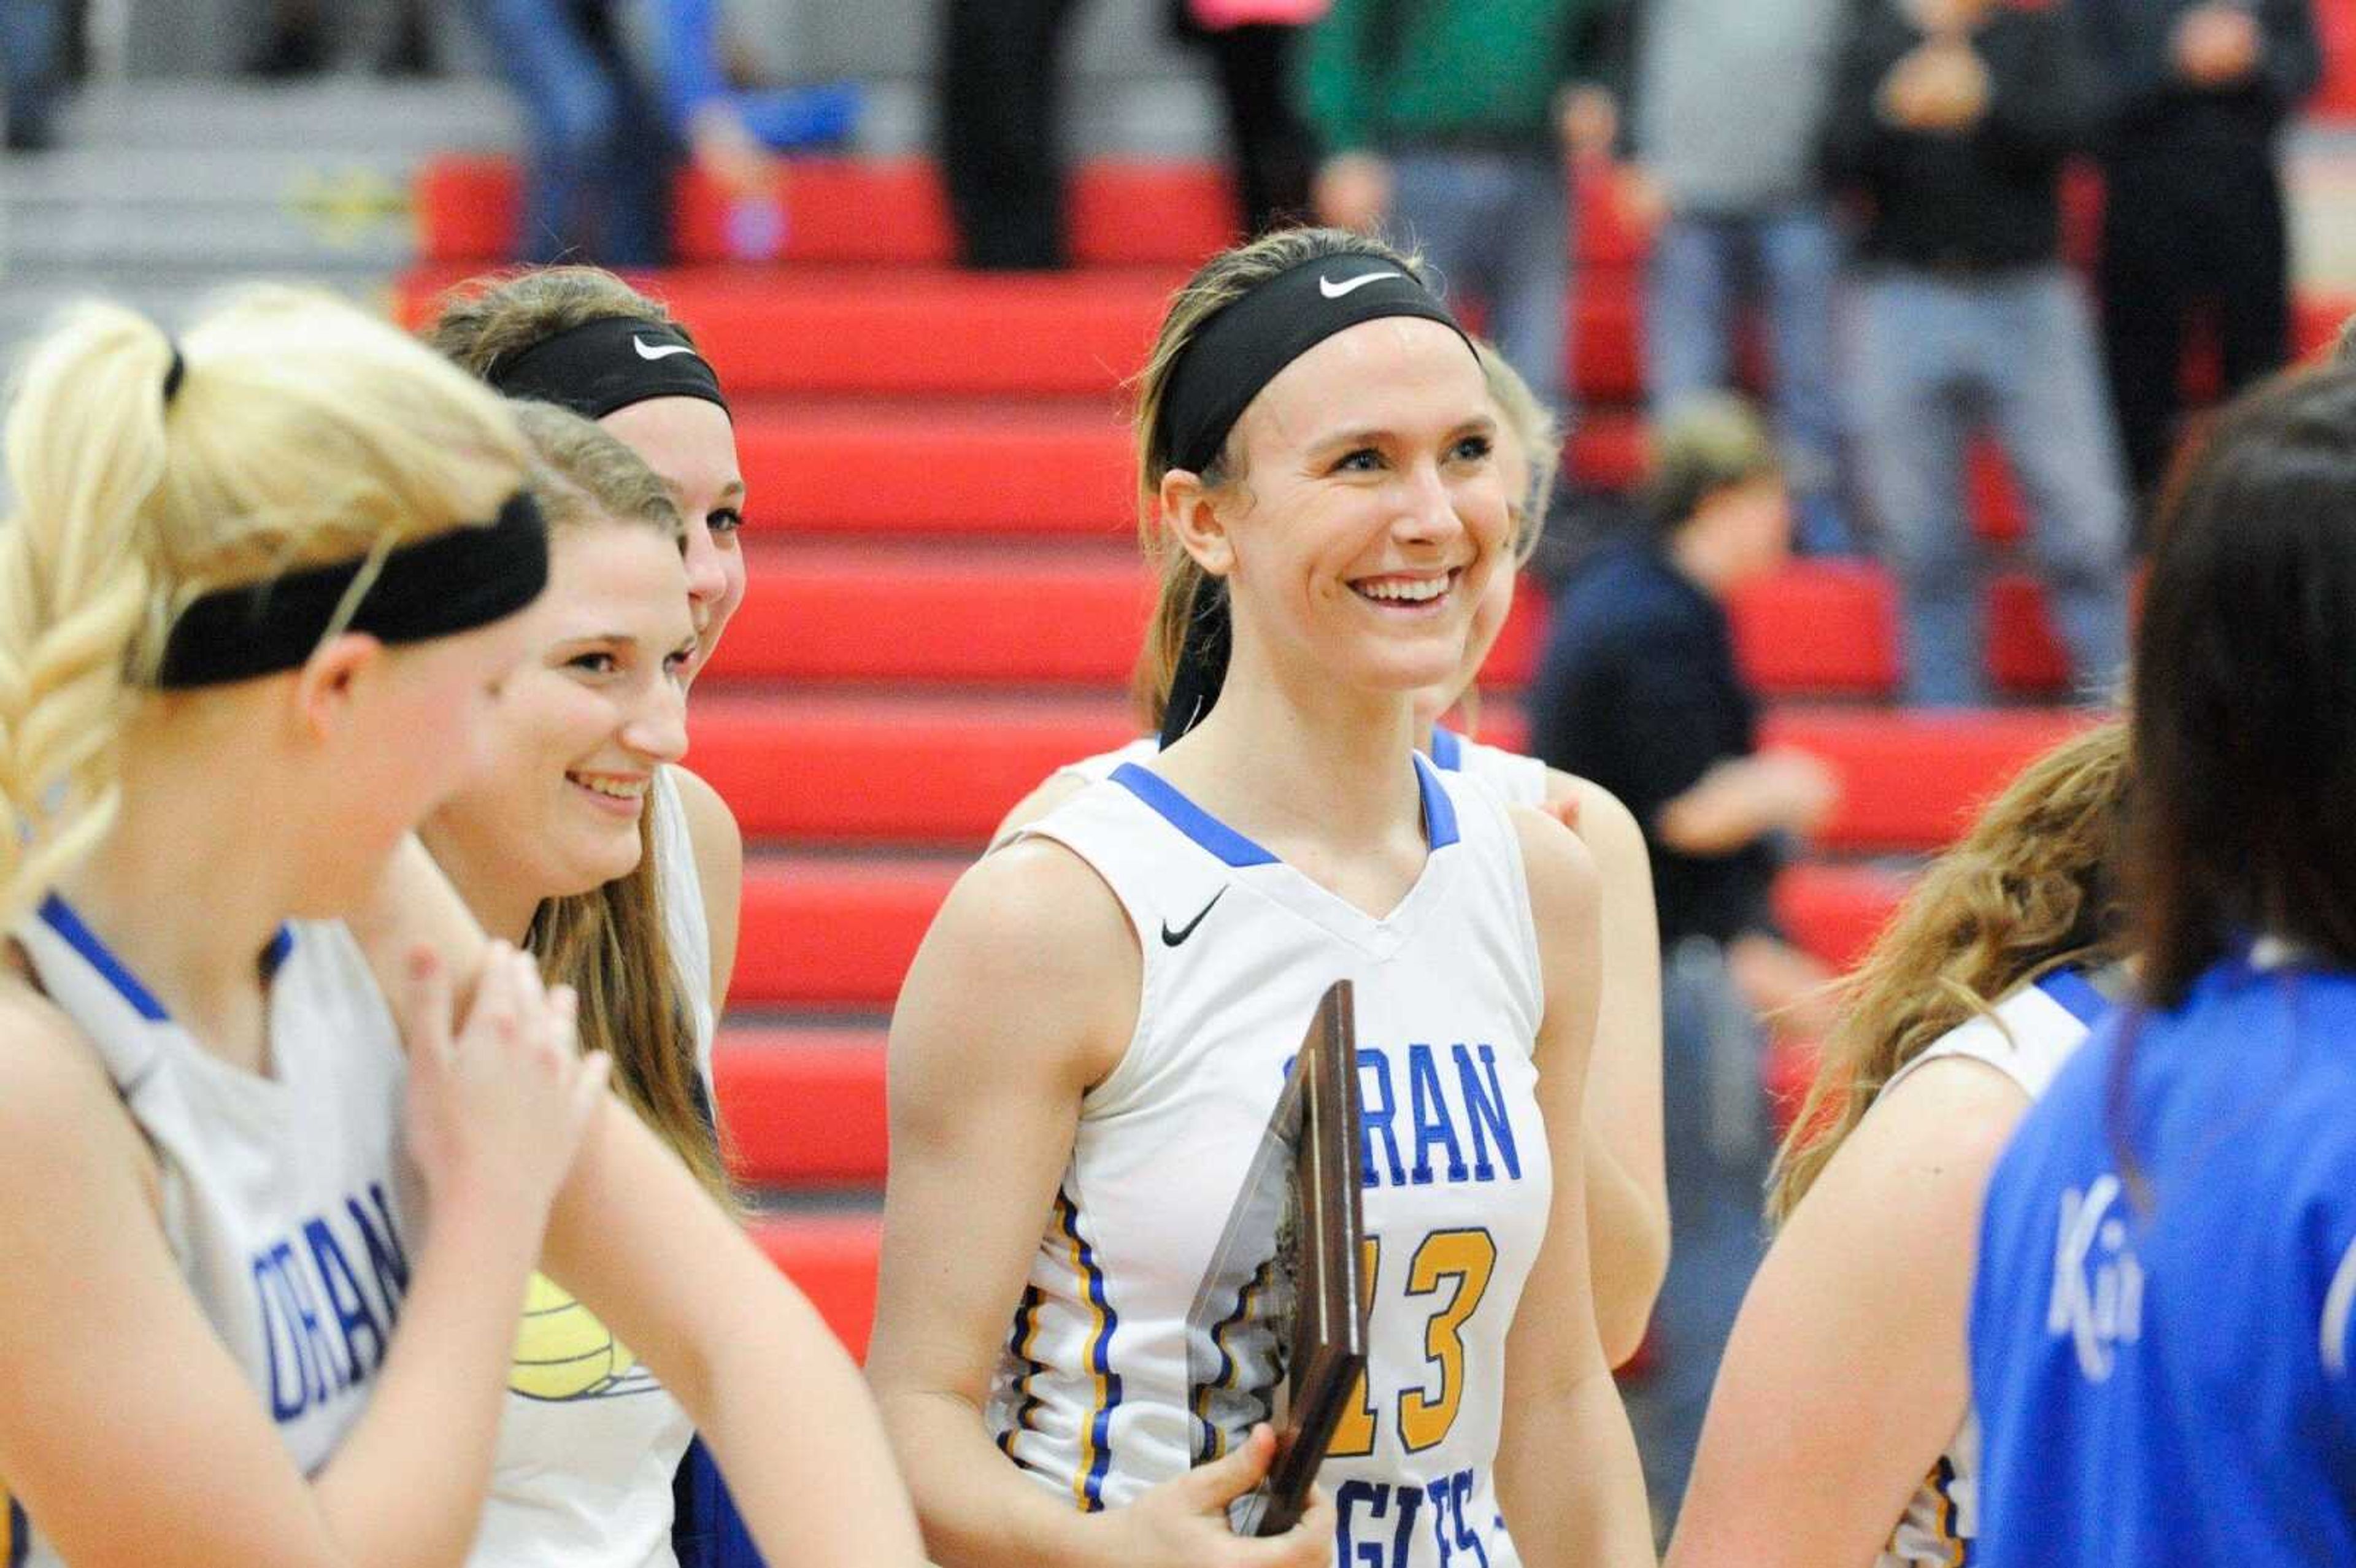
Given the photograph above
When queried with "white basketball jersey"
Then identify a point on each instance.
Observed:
(1519, 780)
(1099, 1394)
(287, 1200)
(2031, 1033)
(590, 1442)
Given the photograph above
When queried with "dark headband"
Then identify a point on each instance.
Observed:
(1243, 346)
(455, 582)
(1232, 356)
(608, 364)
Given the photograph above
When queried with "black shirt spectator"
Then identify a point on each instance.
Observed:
(2142, 42)
(1984, 196)
(1640, 692)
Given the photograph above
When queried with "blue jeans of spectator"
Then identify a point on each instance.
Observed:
(1720, 1140)
(1496, 225)
(32, 37)
(1939, 356)
(599, 184)
(1704, 267)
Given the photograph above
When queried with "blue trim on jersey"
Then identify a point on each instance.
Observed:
(1448, 749)
(62, 919)
(281, 948)
(1192, 820)
(2076, 996)
(20, 1535)
(1438, 811)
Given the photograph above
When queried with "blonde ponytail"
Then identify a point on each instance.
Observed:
(86, 452)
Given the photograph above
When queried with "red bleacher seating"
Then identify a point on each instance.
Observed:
(943, 770)
(832, 1258)
(837, 610)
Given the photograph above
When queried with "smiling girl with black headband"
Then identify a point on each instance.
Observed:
(1097, 1026)
(1628, 1215)
(252, 622)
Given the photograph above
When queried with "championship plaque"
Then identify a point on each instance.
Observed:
(1278, 1329)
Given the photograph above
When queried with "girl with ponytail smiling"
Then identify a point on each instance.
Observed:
(1097, 1027)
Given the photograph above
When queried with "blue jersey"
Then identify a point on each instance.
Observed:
(2160, 1339)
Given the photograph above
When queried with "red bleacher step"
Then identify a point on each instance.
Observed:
(831, 1258)
(944, 771)
(936, 331)
(893, 211)
(826, 932)
(839, 611)
(802, 1105)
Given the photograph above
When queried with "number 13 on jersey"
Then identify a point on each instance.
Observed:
(1447, 1275)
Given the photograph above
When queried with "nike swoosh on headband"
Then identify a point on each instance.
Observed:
(650, 351)
(1334, 290)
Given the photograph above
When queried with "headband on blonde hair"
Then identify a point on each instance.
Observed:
(452, 582)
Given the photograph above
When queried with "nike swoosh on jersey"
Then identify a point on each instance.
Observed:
(664, 351)
(1334, 290)
(1173, 938)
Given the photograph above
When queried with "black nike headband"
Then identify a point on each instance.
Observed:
(452, 582)
(1243, 345)
(1239, 350)
(608, 364)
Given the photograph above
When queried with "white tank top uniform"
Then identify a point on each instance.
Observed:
(590, 1442)
(1518, 779)
(287, 1200)
(1111, 1381)
(2030, 1034)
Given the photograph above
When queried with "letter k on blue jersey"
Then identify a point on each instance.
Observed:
(2160, 1325)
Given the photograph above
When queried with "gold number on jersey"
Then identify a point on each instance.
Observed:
(1467, 1257)
(1354, 1435)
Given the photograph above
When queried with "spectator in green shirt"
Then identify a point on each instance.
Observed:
(1445, 122)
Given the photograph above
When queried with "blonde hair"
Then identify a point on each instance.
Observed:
(2029, 890)
(301, 432)
(1534, 427)
(485, 320)
(1219, 282)
(610, 943)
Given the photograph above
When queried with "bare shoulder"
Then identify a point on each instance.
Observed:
(1949, 1116)
(1050, 793)
(60, 1118)
(1035, 934)
(1560, 866)
(1604, 823)
(711, 824)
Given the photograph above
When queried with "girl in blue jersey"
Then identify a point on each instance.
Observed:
(2161, 1323)
(256, 602)
(1097, 1027)
(1839, 1429)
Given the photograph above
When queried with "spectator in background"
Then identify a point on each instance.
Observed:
(1638, 690)
(1951, 122)
(32, 46)
(1730, 175)
(999, 120)
(2192, 219)
(1251, 45)
(1446, 121)
(609, 122)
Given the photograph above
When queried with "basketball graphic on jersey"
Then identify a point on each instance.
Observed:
(562, 1352)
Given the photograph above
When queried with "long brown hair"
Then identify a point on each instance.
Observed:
(610, 943)
(2245, 691)
(2029, 888)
